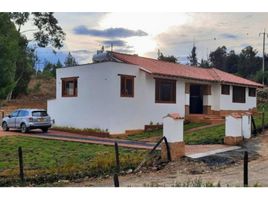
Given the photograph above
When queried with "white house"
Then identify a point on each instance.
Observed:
(122, 92)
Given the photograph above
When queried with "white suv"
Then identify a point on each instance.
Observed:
(26, 119)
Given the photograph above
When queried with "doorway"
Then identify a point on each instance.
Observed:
(196, 99)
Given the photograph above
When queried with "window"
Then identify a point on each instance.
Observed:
(225, 89)
(69, 87)
(39, 113)
(252, 92)
(15, 113)
(239, 94)
(127, 86)
(165, 91)
(23, 113)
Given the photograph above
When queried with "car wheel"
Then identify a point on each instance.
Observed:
(24, 128)
(5, 127)
(44, 130)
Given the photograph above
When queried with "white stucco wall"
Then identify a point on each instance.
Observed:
(246, 126)
(233, 126)
(99, 104)
(226, 102)
(173, 129)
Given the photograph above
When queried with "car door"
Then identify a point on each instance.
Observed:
(12, 119)
(20, 117)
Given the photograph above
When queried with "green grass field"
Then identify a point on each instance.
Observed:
(51, 158)
(159, 133)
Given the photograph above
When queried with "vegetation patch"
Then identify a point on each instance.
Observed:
(87, 131)
(51, 160)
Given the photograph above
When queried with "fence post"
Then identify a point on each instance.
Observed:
(245, 169)
(21, 165)
(168, 149)
(117, 165)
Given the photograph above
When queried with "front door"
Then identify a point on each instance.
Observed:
(196, 99)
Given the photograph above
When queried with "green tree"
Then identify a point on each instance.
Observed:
(231, 62)
(249, 63)
(218, 58)
(171, 58)
(50, 69)
(9, 52)
(46, 32)
(70, 61)
(193, 58)
(204, 63)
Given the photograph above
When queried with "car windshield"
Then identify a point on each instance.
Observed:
(39, 113)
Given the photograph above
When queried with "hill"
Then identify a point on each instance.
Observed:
(40, 89)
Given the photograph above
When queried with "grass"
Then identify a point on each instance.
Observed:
(159, 133)
(47, 160)
(258, 117)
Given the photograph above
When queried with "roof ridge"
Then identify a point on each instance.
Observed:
(154, 59)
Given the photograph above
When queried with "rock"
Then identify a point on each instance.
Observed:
(129, 171)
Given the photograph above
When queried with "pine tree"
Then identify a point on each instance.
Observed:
(70, 61)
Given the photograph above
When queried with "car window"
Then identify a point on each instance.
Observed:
(23, 113)
(39, 113)
(15, 113)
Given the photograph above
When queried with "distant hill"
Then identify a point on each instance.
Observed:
(40, 89)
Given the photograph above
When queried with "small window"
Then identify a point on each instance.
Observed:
(69, 87)
(252, 92)
(225, 89)
(127, 86)
(239, 94)
(165, 91)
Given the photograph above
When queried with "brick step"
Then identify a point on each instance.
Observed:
(202, 118)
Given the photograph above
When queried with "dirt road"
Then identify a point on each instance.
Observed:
(227, 173)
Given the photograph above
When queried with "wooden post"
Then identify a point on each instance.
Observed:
(245, 169)
(21, 165)
(117, 165)
(116, 180)
(2, 114)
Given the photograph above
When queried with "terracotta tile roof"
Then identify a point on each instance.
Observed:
(158, 67)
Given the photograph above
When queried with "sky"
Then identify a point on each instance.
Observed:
(144, 33)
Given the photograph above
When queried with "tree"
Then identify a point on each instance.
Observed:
(204, 63)
(248, 63)
(9, 52)
(50, 69)
(70, 61)
(47, 32)
(218, 58)
(192, 58)
(231, 62)
(171, 58)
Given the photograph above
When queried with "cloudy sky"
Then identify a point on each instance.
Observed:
(145, 33)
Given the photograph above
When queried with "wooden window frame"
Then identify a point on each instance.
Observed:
(239, 101)
(250, 90)
(124, 78)
(63, 85)
(157, 90)
(224, 91)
